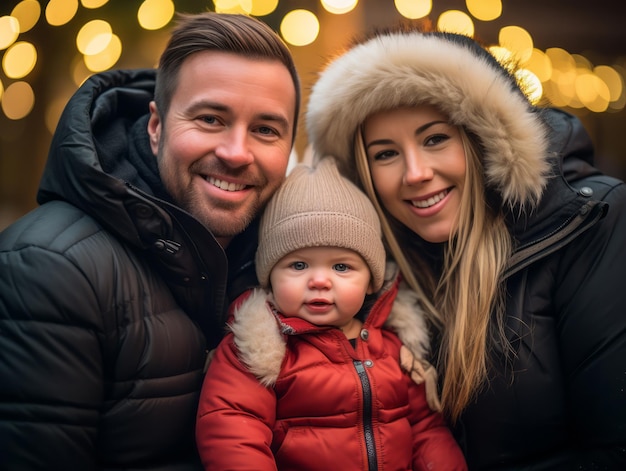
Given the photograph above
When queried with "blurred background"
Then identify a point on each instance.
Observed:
(572, 55)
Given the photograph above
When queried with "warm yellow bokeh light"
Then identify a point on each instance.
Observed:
(263, 7)
(18, 100)
(27, 13)
(592, 92)
(455, 21)
(484, 10)
(613, 80)
(565, 80)
(539, 64)
(339, 7)
(9, 31)
(93, 3)
(414, 9)
(300, 27)
(60, 12)
(620, 103)
(530, 85)
(19, 60)
(1, 89)
(582, 62)
(231, 6)
(94, 37)
(107, 58)
(518, 41)
(560, 59)
(155, 14)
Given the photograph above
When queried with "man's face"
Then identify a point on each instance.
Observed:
(224, 145)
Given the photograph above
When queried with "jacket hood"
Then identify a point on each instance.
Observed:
(260, 334)
(88, 164)
(449, 71)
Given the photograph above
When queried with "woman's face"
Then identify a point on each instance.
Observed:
(418, 168)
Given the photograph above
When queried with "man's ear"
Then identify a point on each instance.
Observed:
(154, 128)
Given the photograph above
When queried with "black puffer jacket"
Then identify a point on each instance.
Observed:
(560, 403)
(110, 297)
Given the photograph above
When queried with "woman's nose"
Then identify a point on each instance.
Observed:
(417, 168)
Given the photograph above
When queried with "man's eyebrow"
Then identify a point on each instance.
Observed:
(204, 104)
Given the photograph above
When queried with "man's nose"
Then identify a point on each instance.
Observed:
(234, 149)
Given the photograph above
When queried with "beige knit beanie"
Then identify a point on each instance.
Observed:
(317, 207)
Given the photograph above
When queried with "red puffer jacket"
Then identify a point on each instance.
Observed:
(281, 393)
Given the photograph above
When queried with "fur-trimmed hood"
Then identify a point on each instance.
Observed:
(260, 334)
(449, 71)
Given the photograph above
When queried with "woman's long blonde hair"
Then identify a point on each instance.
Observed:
(469, 290)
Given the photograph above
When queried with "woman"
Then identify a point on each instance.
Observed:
(494, 214)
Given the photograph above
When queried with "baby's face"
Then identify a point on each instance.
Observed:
(323, 285)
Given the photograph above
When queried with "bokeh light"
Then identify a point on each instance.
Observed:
(106, 58)
(339, 7)
(613, 80)
(592, 92)
(93, 3)
(155, 14)
(414, 9)
(456, 21)
(18, 100)
(518, 41)
(300, 27)
(484, 10)
(231, 6)
(94, 37)
(9, 31)
(27, 12)
(540, 65)
(620, 103)
(19, 60)
(263, 7)
(60, 12)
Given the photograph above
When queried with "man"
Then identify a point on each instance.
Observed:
(114, 289)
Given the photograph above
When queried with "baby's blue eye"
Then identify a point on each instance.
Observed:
(341, 267)
(298, 265)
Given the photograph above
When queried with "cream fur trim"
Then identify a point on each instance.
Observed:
(258, 338)
(262, 345)
(412, 68)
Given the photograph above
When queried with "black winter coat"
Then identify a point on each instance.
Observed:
(560, 402)
(110, 298)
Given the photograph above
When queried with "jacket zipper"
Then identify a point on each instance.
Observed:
(368, 429)
(588, 215)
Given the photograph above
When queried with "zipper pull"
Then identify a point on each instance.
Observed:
(168, 245)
